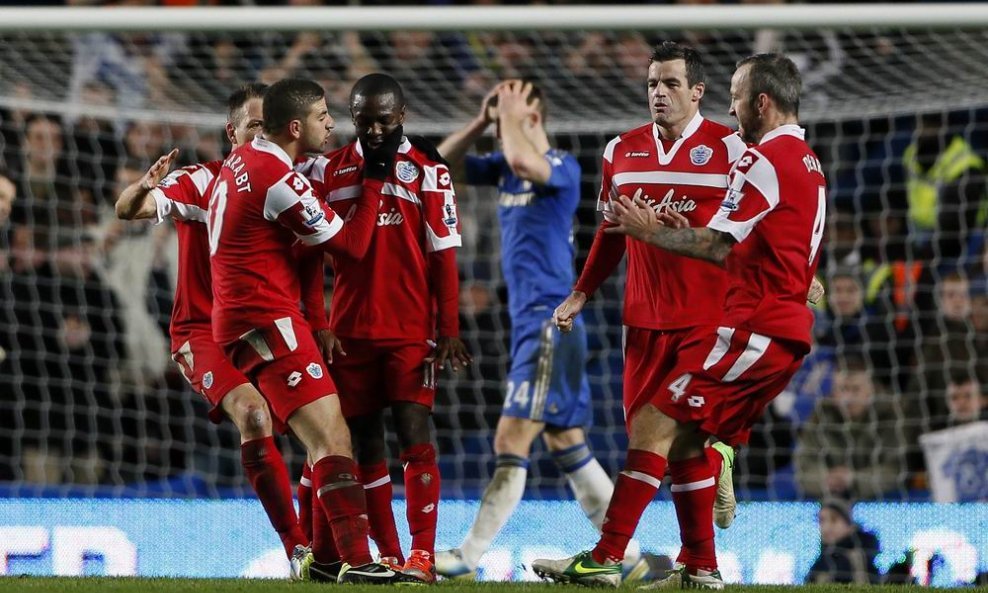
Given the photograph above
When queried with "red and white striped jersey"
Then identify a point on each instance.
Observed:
(258, 208)
(665, 291)
(775, 208)
(387, 294)
(182, 197)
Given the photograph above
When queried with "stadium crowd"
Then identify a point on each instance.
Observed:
(899, 342)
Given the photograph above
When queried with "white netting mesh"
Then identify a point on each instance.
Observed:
(85, 299)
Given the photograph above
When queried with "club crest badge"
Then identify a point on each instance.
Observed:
(207, 380)
(314, 370)
(406, 171)
(701, 154)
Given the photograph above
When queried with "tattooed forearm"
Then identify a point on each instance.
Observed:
(700, 243)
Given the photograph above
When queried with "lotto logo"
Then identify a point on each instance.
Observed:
(745, 161)
(294, 379)
(429, 508)
(297, 183)
(695, 401)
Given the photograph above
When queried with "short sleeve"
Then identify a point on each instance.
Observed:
(484, 170)
(442, 224)
(183, 194)
(752, 193)
(564, 171)
(290, 203)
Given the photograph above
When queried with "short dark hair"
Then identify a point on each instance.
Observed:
(670, 50)
(959, 374)
(778, 77)
(853, 362)
(288, 100)
(377, 84)
(239, 98)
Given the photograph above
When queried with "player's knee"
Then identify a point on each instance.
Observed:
(412, 424)
(420, 454)
(557, 440)
(511, 443)
(252, 417)
(369, 449)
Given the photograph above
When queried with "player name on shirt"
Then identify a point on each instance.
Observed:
(241, 177)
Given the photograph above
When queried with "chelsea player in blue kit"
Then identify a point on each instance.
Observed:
(547, 390)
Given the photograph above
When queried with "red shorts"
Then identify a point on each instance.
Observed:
(649, 357)
(285, 364)
(724, 378)
(208, 371)
(376, 373)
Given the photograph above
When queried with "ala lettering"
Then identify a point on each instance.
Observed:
(668, 201)
(237, 165)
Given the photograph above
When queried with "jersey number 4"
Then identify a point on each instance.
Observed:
(819, 223)
(217, 206)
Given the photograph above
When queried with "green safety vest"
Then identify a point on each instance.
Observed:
(922, 188)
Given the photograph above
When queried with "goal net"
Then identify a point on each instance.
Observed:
(896, 111)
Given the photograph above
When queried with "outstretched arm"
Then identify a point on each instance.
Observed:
(135, 202)
(637, 220)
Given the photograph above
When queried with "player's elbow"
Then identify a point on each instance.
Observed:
(525, 170)
(123, 211)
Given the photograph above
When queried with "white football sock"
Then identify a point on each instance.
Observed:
(501, 497)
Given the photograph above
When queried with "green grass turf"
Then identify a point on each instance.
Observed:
(119, 585)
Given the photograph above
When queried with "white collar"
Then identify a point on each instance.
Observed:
(688, 131)
(784, 130)
(666, 157)
(264, 145)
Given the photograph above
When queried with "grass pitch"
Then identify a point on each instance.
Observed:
(121, 585)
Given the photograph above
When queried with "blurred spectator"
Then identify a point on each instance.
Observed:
(966, 402)
(133, 65)
(945, 187)
(71, 338)
(51, 202)
(848, 326)
(847, 551)
(853, 445)
(949, 343)
(130, 251)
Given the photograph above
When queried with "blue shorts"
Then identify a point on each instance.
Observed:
(548, 378)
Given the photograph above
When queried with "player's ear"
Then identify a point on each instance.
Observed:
(231, 134)
(295, 128)
(698, 90)
(401, 116)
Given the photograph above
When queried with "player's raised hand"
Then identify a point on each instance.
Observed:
(488, 106)
(512, 100)
(567, 311)
(380, 159)
(450, 349)
(329, 344)
(634, 218)
(158, 170)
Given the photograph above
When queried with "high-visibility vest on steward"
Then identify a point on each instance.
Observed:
(923, 187)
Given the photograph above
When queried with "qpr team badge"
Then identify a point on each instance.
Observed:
(406, 171)
(207, 380)
(314, 370)
(701, 155)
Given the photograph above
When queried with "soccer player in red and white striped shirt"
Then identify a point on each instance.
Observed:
(678, 163)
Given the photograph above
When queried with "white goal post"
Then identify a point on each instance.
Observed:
(502, 18)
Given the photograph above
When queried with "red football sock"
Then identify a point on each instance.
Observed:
(694, 488)
(378, 491)
(714, 459)
(323, 545)
(421, 495)
(305, 502)
(334, 478)
(265, 468)
(636, 487)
